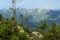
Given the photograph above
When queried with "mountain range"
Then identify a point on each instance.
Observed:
(35, 16)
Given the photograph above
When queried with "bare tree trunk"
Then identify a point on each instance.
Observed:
(14, 14)
(14, 8)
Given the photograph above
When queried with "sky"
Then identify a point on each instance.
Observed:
(29, 4)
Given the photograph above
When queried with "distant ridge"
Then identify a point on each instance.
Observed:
(34, 15)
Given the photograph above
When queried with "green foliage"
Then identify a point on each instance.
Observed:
(53, 33)
(21, 19)
(42, 27)
(28, 29)
(6, 29)
(1, 17)
(14, 37)
(23, 36)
